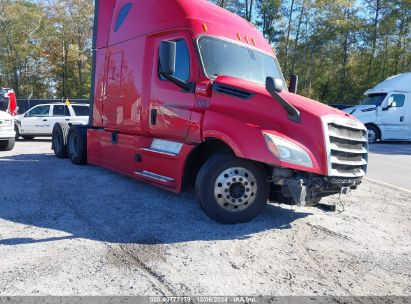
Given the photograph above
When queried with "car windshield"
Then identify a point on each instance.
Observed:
(224, 58)
(373, 99)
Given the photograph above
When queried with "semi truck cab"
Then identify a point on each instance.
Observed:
(386, 109)
(186, 93)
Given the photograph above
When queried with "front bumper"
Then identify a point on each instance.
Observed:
(6, 134)
(303, 188)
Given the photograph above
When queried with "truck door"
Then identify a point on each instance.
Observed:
(170, 107)
(395, 119)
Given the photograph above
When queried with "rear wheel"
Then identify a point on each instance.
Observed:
(7, 145)
(232, 190)
(59, 139)
(76, 145)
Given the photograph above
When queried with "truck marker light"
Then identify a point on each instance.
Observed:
(246, 39)
(253, 40)
(239, 36)
(205, 27)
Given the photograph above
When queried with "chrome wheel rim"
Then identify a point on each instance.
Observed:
(235, 189)
(372, 136)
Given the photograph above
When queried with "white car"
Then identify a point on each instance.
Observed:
(40, 120)
(7, 132)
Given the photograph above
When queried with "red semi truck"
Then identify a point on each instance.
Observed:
(186, 93)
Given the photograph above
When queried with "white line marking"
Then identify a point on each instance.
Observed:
(388, 185)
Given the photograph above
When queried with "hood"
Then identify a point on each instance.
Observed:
(302, 104)
(4, 115)
(359, 108)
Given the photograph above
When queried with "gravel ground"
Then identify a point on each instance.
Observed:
(68, 230)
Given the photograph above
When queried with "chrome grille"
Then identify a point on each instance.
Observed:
(347, 147)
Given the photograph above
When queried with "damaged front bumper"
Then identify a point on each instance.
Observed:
(305, 189)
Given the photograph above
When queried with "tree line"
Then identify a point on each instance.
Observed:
(45, 47)
(338, 48)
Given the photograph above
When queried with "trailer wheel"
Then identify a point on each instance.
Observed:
(76, 145)
(59, 139)
(232, 190)
(7, 145)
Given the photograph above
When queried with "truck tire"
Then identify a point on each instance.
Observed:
(373, 134)
(232, 190)
(77, 145)
(59, 139)
(7, 145)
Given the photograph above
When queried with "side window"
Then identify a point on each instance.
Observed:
(122, 15)
(61, 110)
(182, 61)
(39, 111)
(399, 100)
(81, 110)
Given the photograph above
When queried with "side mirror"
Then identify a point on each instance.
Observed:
(390, 104)
(274, 84)
(167, 55)
(293, 84)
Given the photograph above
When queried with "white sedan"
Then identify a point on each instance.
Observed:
(40, 120)
(6, 132)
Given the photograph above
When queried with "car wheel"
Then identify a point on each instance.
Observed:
(7, 145)
(59, 139)
(232, 190)
(76, 145)
(373, 134)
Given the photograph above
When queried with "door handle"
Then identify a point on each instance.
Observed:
(67, 119)
(402, 118)
(153, 116)
(44, 119)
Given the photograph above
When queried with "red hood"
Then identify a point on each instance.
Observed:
(303, 104)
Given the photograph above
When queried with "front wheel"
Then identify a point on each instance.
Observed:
(232, 190)
(373, 134)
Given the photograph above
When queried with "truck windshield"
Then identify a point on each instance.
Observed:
(373, 99)
(224, 58)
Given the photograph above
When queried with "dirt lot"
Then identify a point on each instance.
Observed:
(67, 230)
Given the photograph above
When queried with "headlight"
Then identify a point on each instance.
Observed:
(287, 151)
(6, 123)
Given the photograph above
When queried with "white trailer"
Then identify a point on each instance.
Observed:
(386, 109)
